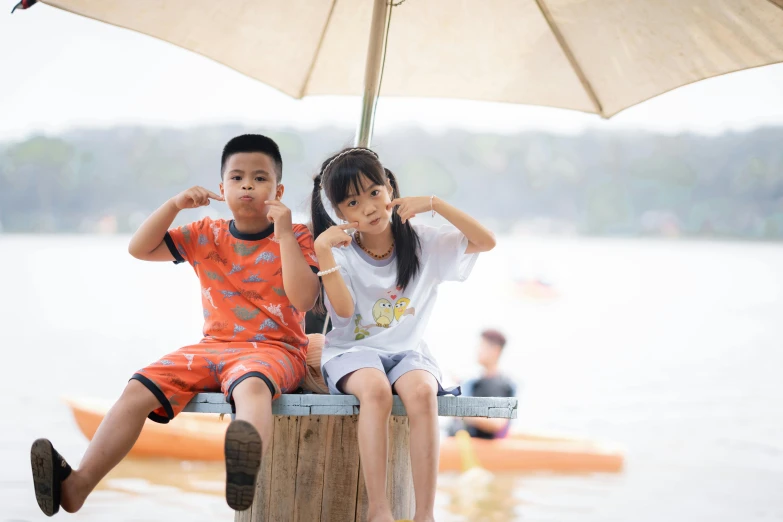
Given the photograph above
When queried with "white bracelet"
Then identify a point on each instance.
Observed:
(325, 272)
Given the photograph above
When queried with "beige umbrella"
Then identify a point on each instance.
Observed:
(597, 56)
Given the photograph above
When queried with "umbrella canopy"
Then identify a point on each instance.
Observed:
(599, 56)
(595, 56)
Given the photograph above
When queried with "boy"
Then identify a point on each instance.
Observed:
(492, 383)
(258, 278)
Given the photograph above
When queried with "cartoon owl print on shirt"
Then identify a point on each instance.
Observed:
(384, 312)
(402, 308)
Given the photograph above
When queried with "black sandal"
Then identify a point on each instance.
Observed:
(243, 460)
(49, 471)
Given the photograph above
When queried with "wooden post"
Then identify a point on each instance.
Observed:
(311, 471)
(342, 468)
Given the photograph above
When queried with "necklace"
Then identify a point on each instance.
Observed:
(375, 256)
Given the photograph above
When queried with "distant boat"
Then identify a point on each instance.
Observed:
(526, 452)
(537, 289)
(189, 436)
(199, 437)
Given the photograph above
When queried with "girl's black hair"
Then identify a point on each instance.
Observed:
(341, 177)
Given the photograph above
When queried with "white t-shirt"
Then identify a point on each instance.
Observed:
(386, 318)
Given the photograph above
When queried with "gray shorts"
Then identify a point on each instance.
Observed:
(394, 365)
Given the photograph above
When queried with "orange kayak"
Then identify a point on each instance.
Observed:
(199, 436)
(190, 436)
(521, 452)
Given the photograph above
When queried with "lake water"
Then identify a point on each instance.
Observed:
(672, 350)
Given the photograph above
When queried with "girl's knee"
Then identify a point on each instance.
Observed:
(421, 397)
(377, 393)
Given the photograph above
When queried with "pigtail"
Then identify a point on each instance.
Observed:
(320, 221)
(319, 217)
(406, 241)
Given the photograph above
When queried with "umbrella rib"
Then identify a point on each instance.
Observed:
(317, 53)
(570, 56)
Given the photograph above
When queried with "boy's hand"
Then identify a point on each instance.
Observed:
(409, 207)
(195, 197)
(335, 236)
(280, 215)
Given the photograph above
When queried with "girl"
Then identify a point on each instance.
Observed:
(380, 274)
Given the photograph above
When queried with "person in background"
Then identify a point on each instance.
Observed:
(491, 383)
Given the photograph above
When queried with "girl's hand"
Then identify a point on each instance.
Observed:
(335, 236)
(195, 197)
(409, 207)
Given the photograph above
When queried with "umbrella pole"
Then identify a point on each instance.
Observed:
(373, 71)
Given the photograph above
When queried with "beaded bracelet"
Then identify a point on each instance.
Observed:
(325, 272)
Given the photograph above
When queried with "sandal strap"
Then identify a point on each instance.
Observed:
(64, 469)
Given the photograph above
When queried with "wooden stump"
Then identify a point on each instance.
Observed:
(312, 473)
(311, 470)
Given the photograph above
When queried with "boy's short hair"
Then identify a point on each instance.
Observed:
(253, 143)
(495, 337)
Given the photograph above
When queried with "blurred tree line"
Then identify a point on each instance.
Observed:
(596, 183)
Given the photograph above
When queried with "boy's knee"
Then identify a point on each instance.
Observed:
(252, 388)
(138, 395)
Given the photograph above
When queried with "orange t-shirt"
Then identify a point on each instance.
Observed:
(242, 282)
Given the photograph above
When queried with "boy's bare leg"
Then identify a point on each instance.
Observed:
(418, 390)
(253, 401)
(372, 388)
(247, 439)
(112, 441)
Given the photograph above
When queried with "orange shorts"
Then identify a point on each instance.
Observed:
(209, 367)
